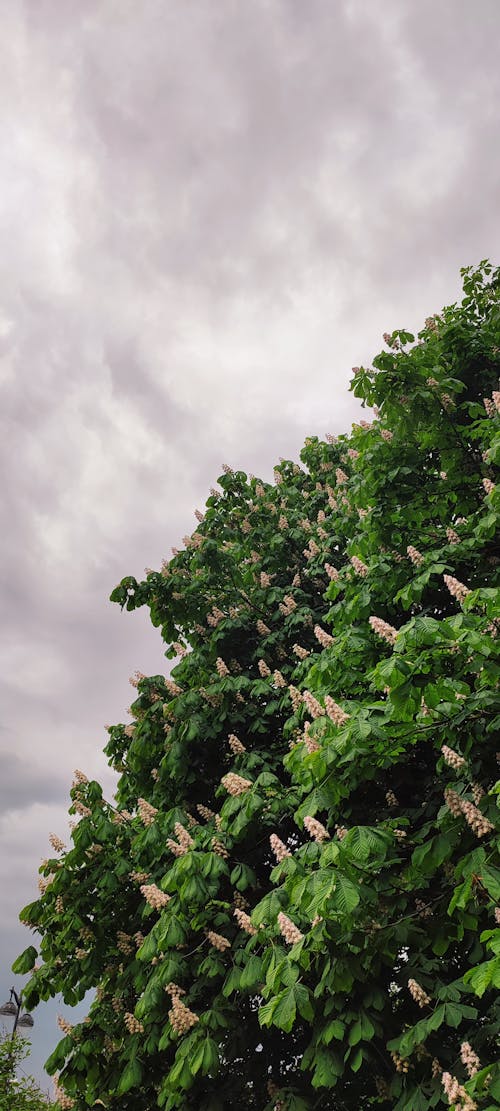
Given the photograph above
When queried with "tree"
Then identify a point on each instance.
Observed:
(291, 902)
(18, 1093)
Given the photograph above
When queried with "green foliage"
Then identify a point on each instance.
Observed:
(337, 654)
(18, 1092)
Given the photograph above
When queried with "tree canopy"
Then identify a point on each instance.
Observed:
(292, 900)
(18, 1091)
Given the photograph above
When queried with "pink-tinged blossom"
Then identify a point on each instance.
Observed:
(147, 812)
(173, 687)
(416, 557)
(335, 712)
(218, 941)
(313, 706)
(418, 993)
(302, 653)
(452, 758)
(496, 399)
(235, 784)
(489, 406)
(278, 679)
(222, 668)
(154, 896)
(456, 588)
(332, 572)
(359, 567)
(315, 829)
(244, 921)
(386, 435)
(457, 1096)
(341, 476)
(383, 629)
(477, 821)
(290, 932)
(488, 485)
(470, 1059)
(323, 637)
(262, 628)
(279, 848)
(264, 670)
(296, 698)
(237, 748)
(452, 536)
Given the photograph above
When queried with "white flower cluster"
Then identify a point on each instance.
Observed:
(332, 572)
(479, 824)
(279, 848)
(359, 567)
(457, 1096)
(470, 1059)
(219, 848)
(314, 707)
(383, 629)
(456, 588)
(222, 668)
(278, 679)
(173, 687)
(296, 698)
(262, 628)
(290, 932)
(65, 1102)
(57, 845)
(205, 811)
(315, 829)
(184, 838)
(123, 943)
(147, 812)
(312, 745)
(244, 921)
(139, 877)
(235, 784)
(418, 993)
(323, 637)
(237, 748)
(218, 941)
(415, 556)
(154, 896)
(132, 1023)
(452, 758)
(302, 653)
(264, 670)
(335, 712)
(64, 1025)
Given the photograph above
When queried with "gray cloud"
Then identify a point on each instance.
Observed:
(208, 214)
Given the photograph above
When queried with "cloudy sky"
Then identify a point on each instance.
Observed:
(209, 212)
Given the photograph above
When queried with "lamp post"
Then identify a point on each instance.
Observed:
(12, 1009)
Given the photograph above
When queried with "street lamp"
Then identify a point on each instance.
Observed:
(12, 1009)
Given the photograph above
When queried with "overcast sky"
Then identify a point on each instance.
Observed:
(209, 212)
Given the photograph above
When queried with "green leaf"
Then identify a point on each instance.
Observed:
(25, 962)
(285, 1010)
(345, 897)
(131, 1076)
